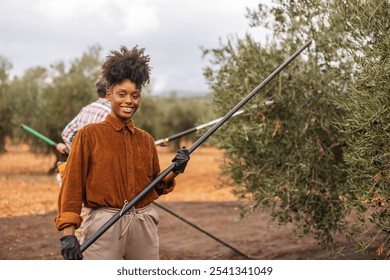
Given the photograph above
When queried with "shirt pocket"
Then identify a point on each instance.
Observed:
(145, 162)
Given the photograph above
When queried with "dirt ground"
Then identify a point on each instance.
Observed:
(203, 223)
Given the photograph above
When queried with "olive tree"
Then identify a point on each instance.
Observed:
(286, 157)
(366, 122)
(5, 103)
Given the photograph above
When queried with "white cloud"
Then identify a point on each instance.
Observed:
(129, 17)
(40, 32)
(58, 10)
(139, 17)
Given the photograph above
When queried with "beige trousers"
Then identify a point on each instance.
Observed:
(83, 214)
(133, 237)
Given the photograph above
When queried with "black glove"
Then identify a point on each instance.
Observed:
(70, 248)
(180, 160)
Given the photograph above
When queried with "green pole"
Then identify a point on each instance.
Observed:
(38, 135)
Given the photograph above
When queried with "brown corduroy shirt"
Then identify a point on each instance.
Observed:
(109, 163)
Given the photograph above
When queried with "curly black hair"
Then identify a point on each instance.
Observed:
(127, 64)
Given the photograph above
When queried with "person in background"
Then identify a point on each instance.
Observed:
(109, 164)
(92, 113)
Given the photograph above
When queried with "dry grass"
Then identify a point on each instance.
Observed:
(200, 180)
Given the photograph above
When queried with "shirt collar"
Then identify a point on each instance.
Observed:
(118, 125)
(104, 101)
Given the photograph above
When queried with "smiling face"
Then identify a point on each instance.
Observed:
(125, 98)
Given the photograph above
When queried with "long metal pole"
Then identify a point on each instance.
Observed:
(201, 230)
(148, 188)
(51, 142)
(163, 141)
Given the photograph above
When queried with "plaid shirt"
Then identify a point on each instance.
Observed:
(92, 113)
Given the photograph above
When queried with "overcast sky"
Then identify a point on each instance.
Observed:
(41, 32)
